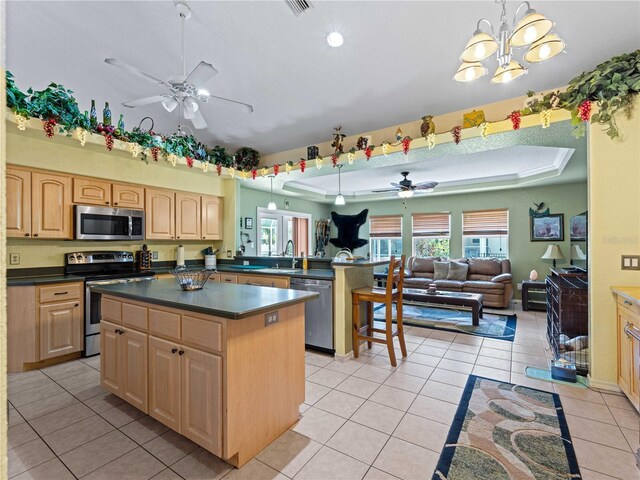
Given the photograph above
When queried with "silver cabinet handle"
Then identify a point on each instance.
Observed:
(632, 331)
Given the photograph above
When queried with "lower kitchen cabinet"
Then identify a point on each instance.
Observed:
(60, 329)
(264, 280)
(628, 316)
(110, 369)
(164, 382)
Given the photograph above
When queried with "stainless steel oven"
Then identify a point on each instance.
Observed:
(108, 223)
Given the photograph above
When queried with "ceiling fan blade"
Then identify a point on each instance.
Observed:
(426, 185)
(397, 185)
(135, 71)
(198, 120)
(248, 107)
(201, 74)
(143, 101)
(385, 190)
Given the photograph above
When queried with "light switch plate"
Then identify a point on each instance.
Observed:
(630, 262)
(14, 259)
(154, 255)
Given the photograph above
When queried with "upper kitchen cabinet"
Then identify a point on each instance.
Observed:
(51, 206)
(160, 215)
(127, 196)
(211, 217)
(89, 191)
(187, 216)
(18, 203)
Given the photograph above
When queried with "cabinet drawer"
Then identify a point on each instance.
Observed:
(228, 278)
(164, 324)
(59, 292)
(111, 310)
(135, 316)
(633, 307)
(264, 281)
(206, 334)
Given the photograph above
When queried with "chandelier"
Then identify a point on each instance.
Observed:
(531, 30)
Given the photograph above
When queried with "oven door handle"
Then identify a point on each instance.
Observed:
(130, 226)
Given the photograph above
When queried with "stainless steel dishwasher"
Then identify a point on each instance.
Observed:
(318, 313)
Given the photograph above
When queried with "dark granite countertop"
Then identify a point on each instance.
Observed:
(316, 274)
(219, 299)
(42, 280)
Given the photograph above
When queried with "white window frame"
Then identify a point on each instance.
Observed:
(283, 216)
(435, 237)
(387, 239)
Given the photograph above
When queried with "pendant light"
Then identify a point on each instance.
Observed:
(532, 29)
(339, 197)
(272, 205)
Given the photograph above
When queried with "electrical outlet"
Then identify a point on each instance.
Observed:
(630, 262)
(14, 259)
(154, 255)
(519, 286)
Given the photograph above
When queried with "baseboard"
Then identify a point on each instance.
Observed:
(602, 385)
(343, 358)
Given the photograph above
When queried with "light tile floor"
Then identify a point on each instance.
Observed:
(362, 418)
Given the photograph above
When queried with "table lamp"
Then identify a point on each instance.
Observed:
(553, 253)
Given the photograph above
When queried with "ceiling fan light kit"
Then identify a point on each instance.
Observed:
(531, 30)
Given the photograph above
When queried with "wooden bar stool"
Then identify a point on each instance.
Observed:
(387, 296)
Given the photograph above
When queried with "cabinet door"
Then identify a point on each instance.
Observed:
(110, 366)
(60, 329)
(202, 399)
(160, 215)
(187, 216)
(127, 196)
(91, 192)
(18, 203)
(51, 206)
(134, 368)
(635, 372)
(625, 352)
(164, 382)
(211, 217)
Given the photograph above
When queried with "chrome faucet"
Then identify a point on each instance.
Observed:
(293, 253)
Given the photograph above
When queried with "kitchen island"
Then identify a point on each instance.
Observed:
(223, 366)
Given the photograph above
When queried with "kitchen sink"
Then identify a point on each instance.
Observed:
(280, 270)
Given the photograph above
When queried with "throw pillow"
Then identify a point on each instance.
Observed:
(457, 271)
(440, 270)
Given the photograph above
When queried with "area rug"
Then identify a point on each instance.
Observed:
(492, 325)
(503, 431)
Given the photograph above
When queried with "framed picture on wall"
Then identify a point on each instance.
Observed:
(547, 228)
(248, 223)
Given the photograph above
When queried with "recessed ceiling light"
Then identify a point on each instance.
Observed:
(334, 39)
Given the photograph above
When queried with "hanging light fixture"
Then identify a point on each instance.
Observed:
(408, 193)
(169, 103)
(532, 29)
(272, 205)
(339, 197)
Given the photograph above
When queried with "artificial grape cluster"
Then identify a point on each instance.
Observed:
(48, 126)
(516, 118)
(108, 141)
(457, 134)
(367, 152)
(155, 151)
(189, 161)
(406, 142)
(584, 110)
(303, 164)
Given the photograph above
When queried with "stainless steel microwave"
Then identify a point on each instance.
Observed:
(107, 223)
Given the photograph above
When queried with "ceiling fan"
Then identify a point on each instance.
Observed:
(406, 188)
(185, 90)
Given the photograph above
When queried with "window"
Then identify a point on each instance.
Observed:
(277, 229)
(485, 233)
(430, 233)
(385, 234)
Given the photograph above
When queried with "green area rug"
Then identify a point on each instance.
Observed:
(492, 325)
(503, 431)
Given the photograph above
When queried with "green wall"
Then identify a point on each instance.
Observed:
(569, 199)
(251, 199)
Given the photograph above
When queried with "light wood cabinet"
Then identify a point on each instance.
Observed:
(164, 382)
(264, 280)
(60, 329)
(123, 361)
(187, 216)
(212, 216)
(18, 203)
(228, 278)
(91, 192)
(127, 196)
(51, 206)
(160, 214)
(628, 326)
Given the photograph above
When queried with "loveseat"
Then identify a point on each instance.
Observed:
(489, 276)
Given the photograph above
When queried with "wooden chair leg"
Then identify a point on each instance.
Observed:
(400, 325)
(355, 321)
(370, 323)
(389, 335)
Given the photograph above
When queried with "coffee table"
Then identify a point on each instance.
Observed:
(473, 301)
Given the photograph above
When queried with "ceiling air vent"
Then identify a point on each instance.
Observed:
(298, 6)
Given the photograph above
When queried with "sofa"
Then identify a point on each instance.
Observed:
(489, 276)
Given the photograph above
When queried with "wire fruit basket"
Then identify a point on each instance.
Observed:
(190, 281)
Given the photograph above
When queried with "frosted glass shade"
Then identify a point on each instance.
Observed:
(469, 72)
(532, 27)
(547, 47)
(481, 46)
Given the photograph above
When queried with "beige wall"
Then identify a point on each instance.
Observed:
(614, 230)
(32, 149)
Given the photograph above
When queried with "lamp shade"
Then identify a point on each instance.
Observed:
(339, 199)
(509, 72)
(553, 253)
(481, 46)
(272, 206)
(548, 46)
(169, 103)
(577, 253)
(405, 193)
(532, 27)
(469, 72)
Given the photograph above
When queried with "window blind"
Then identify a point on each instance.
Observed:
(385, 226)
(485, 222)
(431, 224)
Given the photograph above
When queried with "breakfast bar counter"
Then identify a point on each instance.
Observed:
(223, 366)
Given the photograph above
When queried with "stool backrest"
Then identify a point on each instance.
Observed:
(395, 277)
